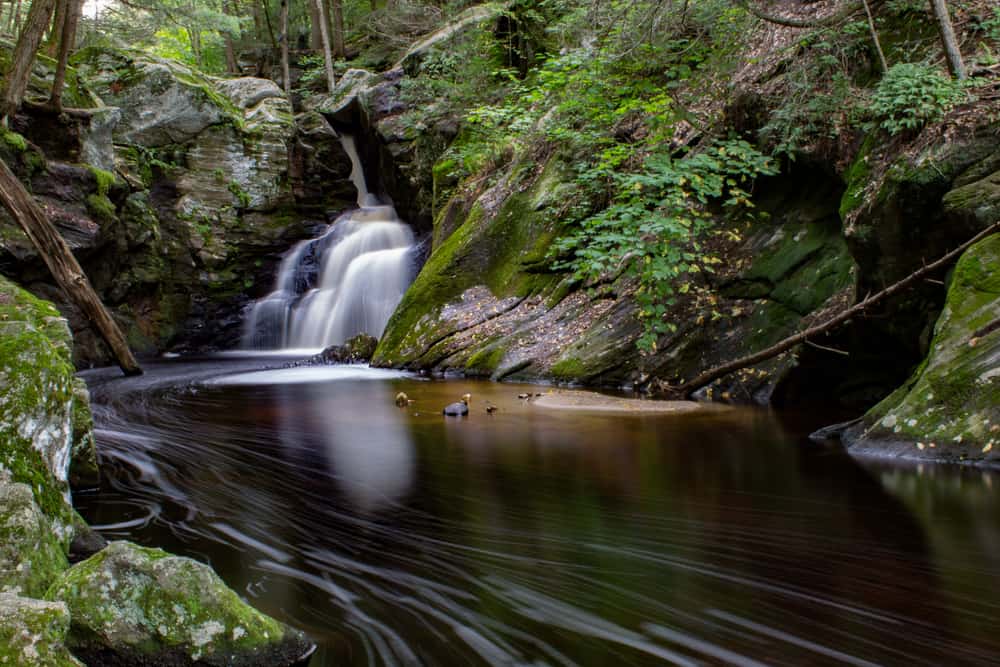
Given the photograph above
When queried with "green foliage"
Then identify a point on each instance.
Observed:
(652, 229)
(911, 95)
(242, 196)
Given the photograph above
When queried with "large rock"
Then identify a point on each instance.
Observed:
(950, 407)
(33, 633)
(162, 102)
(31, 556)
(36, 405)
(135, 606)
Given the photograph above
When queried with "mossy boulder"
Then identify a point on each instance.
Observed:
(36, 406)
(131, 605)
(950, 407)
(31, 556)
(33, 633)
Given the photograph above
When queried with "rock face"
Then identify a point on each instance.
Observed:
(33, 632)
(178, 198)
(135, 606)
(486, 302)
(950, 407)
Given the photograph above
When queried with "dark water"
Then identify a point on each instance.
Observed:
(538, 537)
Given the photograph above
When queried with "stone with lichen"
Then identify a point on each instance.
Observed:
(136, 606)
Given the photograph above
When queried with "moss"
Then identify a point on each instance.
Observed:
(105, 179)
(38, 391)
(14, 140)
(143, 605)
(953, 399)
(101, 208)
(486, 360)
(31, 555)
(33, 632)
(856, 179)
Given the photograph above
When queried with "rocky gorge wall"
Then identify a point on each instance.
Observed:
(178, 194)
(842, 224)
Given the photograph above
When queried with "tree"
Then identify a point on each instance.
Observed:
(948, 39)
(67, 40)
(324, 33)
(16, 81)
(286, 78)
(335, 10)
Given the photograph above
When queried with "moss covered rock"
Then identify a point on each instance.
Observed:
(36, 406)
(950, 407)
(33, 632)
(135, 606)
(31, 555)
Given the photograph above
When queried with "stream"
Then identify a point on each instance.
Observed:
(396, 536)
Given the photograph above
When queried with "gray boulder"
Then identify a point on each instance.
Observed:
(33, 632)
(136, 606)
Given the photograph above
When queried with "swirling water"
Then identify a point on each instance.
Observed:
(398, 537)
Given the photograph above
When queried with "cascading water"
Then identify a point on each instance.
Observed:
(365, 263)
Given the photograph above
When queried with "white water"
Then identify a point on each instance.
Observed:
(365, 263)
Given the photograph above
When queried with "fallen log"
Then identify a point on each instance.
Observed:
(65, 269)
(687, 388)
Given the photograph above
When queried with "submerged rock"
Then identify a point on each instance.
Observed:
(33, 632)
(950, 407)
(136, 606)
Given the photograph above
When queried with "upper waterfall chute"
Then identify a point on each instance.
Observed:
(365, 263)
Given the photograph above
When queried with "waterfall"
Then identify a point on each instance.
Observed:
(346, 281)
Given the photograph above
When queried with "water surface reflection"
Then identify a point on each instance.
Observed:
(395, 536)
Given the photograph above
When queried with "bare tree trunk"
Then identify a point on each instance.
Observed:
(878, 44)
(286, 78)
(63, 265)
(194, 38)
(16, 80)
(948, 39)
(687, 388)
(232, 66)
(67, 41)
(335, 10)
(331, 81)
(315, 39)
(55, 34)
(258, 20)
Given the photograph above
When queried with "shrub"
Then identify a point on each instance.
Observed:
(911, 95)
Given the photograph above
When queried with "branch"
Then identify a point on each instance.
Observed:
(846, 11)
(687, 388)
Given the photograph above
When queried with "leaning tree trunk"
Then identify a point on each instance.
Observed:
(63, 265)
(16, 80)
(324, 34)
(687, 388)
(875, 39)
(286, 79)
(948, 39)
(67, 40)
